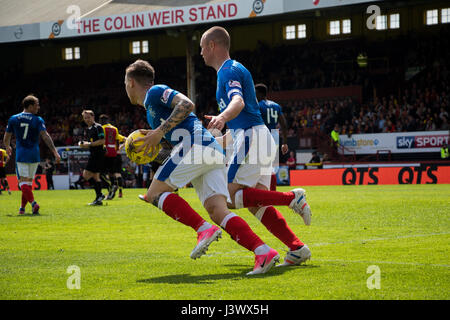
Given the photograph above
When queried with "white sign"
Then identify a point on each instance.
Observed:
(20, 33)
(71, 26)
(396, 142)
(163, 18)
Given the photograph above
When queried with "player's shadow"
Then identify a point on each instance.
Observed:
(187, 278)
(25, 215)
(241, 273)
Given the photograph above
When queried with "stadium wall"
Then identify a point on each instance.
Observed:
(99, 51)
(246, 35)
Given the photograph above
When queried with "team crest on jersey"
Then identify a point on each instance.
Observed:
(222, 105)
(165, 96)
(151, 112)
(234, 83)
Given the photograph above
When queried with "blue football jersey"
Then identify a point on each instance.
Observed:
(233, 78)
(26, 128)
(158, 102)
(270, 112)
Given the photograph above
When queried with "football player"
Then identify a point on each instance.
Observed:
(248, 183)
(272, 116)
(27, 127)
(196, 158)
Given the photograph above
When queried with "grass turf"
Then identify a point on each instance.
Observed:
(128, 249)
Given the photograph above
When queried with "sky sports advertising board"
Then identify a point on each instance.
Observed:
(398, 142)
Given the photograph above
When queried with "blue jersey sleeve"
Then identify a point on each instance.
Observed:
(160, 95)
(41, 124)
(280, 109)
(233, 83)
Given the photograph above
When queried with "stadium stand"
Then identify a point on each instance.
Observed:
(391, 100)
(419, 104)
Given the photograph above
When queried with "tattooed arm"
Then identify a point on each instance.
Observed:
(182, 107)
(49, 142)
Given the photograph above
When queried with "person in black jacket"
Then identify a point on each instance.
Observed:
(49, 169)
(94, 140)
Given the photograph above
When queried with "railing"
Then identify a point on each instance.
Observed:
(383, 152)
(341, 151)
(315, 139)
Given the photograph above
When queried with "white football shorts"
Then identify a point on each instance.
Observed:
(203, 166)
(276, 137)
(254, 151)
(26, 170)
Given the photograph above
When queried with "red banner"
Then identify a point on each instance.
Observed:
(305, 94)
(39, 182)
(423, 174)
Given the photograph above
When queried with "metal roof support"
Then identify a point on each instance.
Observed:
(191, 42)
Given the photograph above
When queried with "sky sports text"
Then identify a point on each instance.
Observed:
(410, 142)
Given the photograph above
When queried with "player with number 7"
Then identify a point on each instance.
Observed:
(27, 127)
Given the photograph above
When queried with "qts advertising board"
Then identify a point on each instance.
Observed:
(422, 174)
(39, 182)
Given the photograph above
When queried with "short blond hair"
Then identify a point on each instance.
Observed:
(29, 100)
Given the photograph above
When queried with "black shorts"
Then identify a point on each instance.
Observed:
(113, 164)
(110, 163)
(95, 163)
(118, 168)
(2, 172)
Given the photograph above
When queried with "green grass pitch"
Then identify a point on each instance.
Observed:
(128, 249)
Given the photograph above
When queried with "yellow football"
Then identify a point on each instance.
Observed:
(139, 157)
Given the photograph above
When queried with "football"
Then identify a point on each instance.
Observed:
(138, 157)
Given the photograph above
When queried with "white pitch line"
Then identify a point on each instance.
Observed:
(93, 10)
(383, 262)
(238, 253)
(379, 239)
